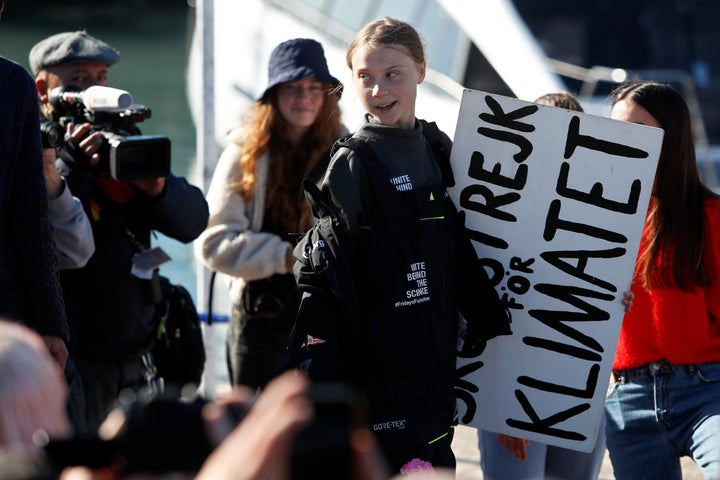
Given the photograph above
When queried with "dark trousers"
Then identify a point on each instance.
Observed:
(103, 381)
(255, 346)
(76, 398)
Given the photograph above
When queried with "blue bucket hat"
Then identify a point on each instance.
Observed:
(297, 59)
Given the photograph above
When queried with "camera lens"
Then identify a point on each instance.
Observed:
(268, 306)
(52, 134)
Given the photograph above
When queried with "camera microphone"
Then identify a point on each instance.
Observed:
(95, 98)
(126, 153)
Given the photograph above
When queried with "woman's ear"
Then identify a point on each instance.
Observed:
(421, 72)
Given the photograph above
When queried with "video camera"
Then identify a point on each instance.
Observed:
(126, 154)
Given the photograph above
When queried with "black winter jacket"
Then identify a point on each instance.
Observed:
(384, 274)
(29, 286)
(111, 309)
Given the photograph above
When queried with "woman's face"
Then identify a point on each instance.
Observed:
(629, 111)
(386, 80)
(300, 102)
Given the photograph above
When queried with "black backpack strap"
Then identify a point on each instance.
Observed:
(319, 170)
(379, 175)
(337, 144)
(440, 149)
(397, 218)
(432, 133)
(211, 293)
(329, 256)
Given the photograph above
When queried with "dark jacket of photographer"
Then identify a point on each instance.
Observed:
(109, 307)
(29, 287)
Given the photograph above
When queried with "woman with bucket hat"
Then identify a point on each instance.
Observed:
(256, 203)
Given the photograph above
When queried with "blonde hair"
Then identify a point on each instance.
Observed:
(32, 389)
(388, 32)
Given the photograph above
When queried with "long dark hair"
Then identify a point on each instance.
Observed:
(675, 225)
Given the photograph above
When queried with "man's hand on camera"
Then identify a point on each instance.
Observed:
(152, 186)
(89, 144)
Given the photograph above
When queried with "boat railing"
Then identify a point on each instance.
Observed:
(708, 158)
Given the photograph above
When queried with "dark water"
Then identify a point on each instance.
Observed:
(153, 42)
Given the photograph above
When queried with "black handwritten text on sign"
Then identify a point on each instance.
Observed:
(554, 202)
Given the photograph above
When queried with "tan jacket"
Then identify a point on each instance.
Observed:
(233, 244)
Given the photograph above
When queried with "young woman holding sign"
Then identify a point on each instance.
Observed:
(666, 399)
(386, 320)
(503, 457)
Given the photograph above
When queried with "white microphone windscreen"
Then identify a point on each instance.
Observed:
(98, 98)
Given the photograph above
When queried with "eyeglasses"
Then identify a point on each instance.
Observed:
(299, 91)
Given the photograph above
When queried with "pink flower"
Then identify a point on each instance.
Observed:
(417, 466)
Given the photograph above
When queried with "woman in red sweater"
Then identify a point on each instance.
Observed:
(666, 400)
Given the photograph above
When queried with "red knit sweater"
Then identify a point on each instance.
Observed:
(668, 323)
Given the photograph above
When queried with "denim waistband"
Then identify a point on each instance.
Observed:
(660, 367)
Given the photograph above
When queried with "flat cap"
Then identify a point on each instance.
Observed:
(71, 47)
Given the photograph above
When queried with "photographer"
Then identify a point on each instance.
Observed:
(110, 302)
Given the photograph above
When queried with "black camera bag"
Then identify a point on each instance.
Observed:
(271, 297)
(179, 349)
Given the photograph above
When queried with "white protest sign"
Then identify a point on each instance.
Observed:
(555, 202)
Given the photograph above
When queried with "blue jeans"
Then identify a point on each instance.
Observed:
(543, 461)
(659, 412)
